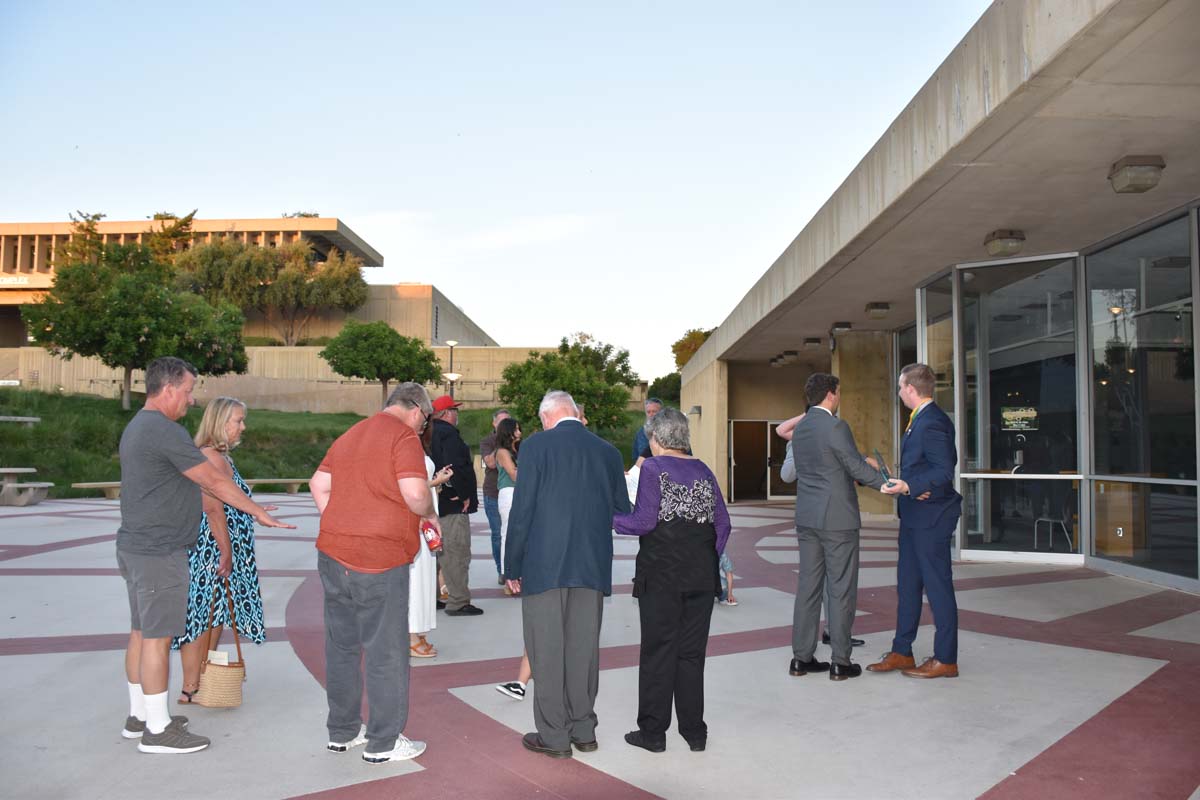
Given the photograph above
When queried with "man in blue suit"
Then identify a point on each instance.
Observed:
(929, 509)
(558, 554)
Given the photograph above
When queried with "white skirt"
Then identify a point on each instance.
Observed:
(422, 584)
(504, 502)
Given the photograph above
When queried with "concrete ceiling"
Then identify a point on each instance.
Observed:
(1039, 163)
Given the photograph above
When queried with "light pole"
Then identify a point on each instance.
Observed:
(450, 375)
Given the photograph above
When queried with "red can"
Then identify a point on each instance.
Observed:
(433, 537)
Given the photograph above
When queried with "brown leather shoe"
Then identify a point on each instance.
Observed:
(891, 662)
(932, 668)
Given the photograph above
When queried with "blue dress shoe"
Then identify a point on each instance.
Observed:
(799, 667)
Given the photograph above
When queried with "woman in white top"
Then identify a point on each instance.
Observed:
(422, 579)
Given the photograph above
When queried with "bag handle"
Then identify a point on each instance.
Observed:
(237, 641)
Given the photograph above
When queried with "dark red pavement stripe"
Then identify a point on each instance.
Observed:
(87, 643)
(24, 551)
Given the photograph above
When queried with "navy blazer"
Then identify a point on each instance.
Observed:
(569, 484)
(927, 461)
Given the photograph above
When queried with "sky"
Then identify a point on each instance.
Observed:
(624, 169)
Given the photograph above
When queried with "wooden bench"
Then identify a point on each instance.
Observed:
(23, 494)
(111, 489)
(291, 485)
(28, 422)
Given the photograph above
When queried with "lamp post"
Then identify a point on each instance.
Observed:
(451, 343)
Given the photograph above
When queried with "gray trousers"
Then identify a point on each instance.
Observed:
(366, 630)
(829, 566)
(455, 560)
(562, 638)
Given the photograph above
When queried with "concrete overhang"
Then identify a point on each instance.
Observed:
(1016, 129)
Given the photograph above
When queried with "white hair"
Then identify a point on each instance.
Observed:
(558, 399)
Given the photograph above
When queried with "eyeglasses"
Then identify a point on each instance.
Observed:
(426, 418)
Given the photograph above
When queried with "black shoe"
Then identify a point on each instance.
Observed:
(697, 745)
(639, 739)
(533, 741)
(853, 642)
(586, 747)
(466, 611)
(839, 672)
(799, 667)
(441, 604)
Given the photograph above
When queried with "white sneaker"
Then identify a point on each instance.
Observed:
(404, 750)
(357, 741)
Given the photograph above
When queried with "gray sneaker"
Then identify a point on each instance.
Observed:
(172, 740)
(134, 727)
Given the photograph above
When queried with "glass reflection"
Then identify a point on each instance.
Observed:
(1022, 515)
(1150, 525)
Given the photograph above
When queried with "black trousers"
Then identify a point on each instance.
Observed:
(671, 667)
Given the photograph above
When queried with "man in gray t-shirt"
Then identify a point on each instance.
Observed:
(162, 474)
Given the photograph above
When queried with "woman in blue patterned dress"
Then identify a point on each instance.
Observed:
(224, 549)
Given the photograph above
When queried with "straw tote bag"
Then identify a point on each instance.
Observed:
(221, 684)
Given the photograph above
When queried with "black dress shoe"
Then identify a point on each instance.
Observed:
(533, 741)
(853, 642)
(799, 667)
(465, 611)
(839, 672)
(697, 745)
(586, 747)
(639, 739)
(441, 604)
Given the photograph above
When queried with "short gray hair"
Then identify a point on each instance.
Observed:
(498, 412)
(166, 371)
(557, 398)
(410, 395)
(669, 428)
(652, 401)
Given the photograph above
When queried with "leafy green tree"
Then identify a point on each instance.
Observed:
(375, 351)
(125, 311)
(666, 388)
(85, 243)
(287, 285)
(170, 235)
(596, 374)
(686, 346)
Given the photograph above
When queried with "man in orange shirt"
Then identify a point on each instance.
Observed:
(372, 493)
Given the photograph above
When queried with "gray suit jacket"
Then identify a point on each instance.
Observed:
(824, 461)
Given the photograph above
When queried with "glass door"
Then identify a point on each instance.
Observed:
(777, 452)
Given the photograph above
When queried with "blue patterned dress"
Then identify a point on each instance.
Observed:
(203, 559)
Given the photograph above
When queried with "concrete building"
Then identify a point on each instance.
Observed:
(1028, 227)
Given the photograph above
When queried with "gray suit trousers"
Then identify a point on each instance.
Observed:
(562, 638)
(828, 565)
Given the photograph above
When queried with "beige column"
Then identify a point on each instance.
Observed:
(5, 258)
(21, 257)
(862, 361)
(709, 389)
(39, 254)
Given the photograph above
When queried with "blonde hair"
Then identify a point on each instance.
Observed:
(211, 432)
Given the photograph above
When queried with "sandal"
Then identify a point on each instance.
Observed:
(186, 700)
(422, 649)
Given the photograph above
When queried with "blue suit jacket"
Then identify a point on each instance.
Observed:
(570, 482)
(927, 461)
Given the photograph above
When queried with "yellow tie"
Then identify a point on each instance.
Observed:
(911, 417)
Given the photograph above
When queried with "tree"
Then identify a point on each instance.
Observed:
(125, 311)
(170, 235)
(666, 388)
(687, 345)
(287, 285)
(85, 243)
(299, 214)
(375, 351)
(597, 375)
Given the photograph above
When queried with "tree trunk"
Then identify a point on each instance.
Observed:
(126, 382)
(384, 384)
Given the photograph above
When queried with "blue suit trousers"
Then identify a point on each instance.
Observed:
(924, 567)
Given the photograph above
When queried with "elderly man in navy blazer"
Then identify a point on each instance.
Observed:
(558, 555)
(929, 509)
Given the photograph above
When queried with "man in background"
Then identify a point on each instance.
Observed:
(456, 502)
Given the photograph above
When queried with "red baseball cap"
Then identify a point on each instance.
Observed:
(444, 403)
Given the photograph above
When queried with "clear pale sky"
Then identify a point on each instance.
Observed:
(624, 169)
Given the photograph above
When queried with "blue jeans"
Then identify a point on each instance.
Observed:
(491, 508)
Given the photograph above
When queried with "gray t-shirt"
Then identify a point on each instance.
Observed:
(160, 508)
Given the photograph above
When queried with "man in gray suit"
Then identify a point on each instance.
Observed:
(826, 463)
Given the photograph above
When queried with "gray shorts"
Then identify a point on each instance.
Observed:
(158, 592)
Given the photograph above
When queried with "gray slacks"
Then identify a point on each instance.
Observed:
(829, 566)
(365, 613)
(456, 559)
(562, 638)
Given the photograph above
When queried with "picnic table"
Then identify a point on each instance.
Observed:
(28, 422)
(112, 489)
(16, 493)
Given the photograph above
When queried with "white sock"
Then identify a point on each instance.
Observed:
(157, 716)
(137, 702)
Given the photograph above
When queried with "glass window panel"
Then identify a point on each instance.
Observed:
(1150, 525)
(939, 340)
(1021, 515)
(1140, 307)
(1018, 333)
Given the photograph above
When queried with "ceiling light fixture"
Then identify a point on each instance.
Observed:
(812, 343)
(790, 356)
(1004, 242)
(1136, 174)
(878, 310)
(840, 327)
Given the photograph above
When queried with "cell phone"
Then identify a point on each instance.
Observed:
(883, 470)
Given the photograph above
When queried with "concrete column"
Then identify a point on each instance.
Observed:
(21, 252)
(5, 258)
(862, 361)
(710, 428)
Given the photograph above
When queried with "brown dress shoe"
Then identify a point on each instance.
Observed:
(891, 662)
(932, 668)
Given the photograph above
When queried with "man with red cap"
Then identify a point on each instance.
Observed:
(455, 503)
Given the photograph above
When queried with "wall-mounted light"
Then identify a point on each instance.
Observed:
(1115, 310)
(812, 343)
(694, 410)
(1004, 242)
(1136, 174)
(878, 310)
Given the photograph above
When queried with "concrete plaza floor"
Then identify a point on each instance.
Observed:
(1074, 684)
